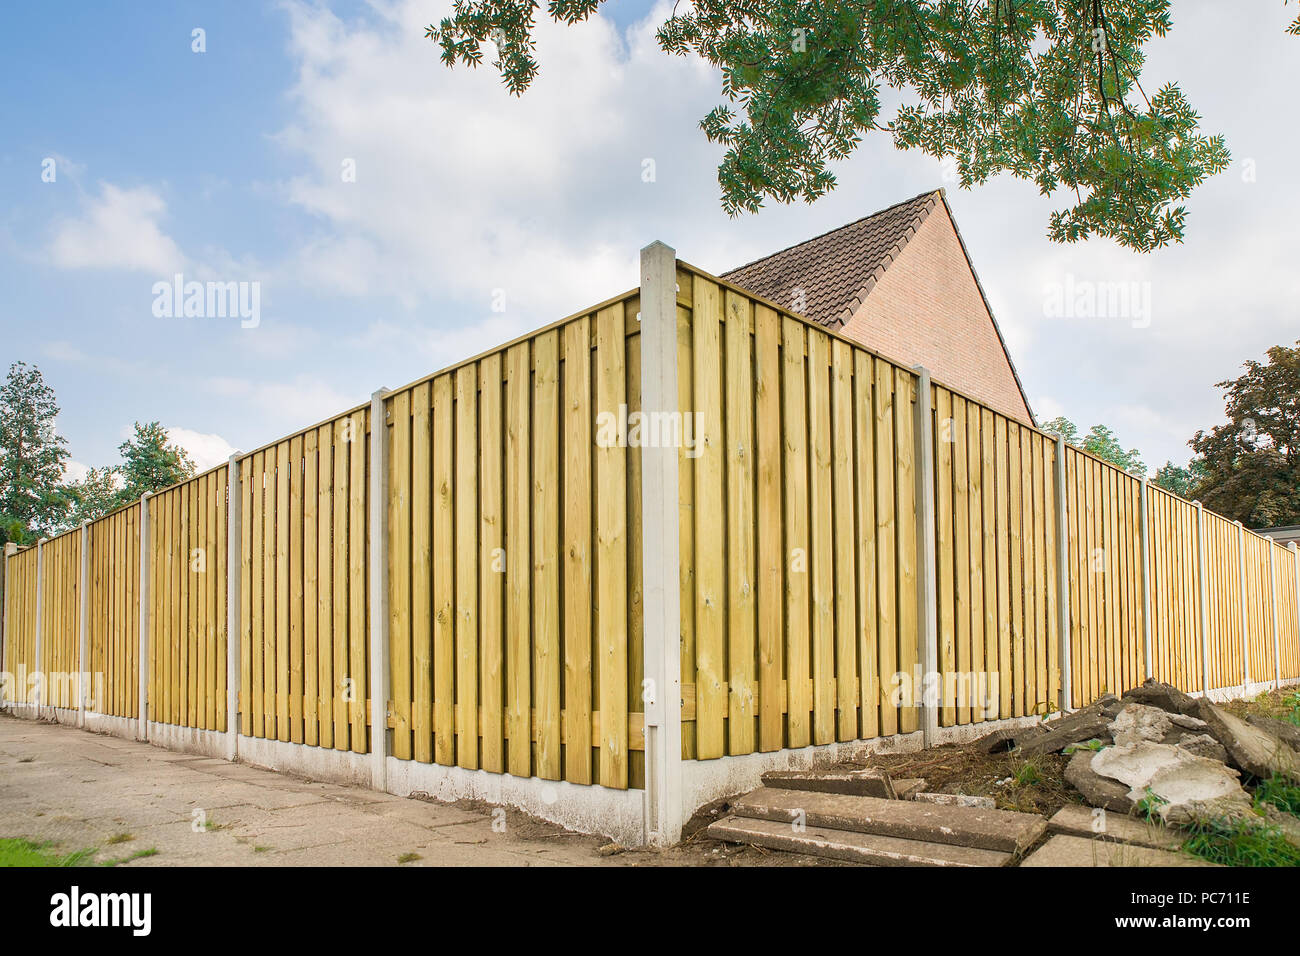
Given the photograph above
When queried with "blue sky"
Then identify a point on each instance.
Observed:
(227, 165)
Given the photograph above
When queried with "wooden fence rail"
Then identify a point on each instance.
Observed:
(492, 525)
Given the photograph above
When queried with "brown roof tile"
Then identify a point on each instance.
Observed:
(837, 269)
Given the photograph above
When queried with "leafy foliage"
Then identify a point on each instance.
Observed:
(1101, 442)
(1046, 90)
(150, 462)
(1182, 481)
(1249, 467)
(32, 457)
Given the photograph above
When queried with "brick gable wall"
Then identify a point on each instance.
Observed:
(927, 310)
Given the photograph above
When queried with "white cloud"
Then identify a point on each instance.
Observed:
(207, 450)
(75, 470)
(118, 229)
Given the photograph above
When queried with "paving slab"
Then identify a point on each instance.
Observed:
(1001, 830)
(867, 783)
(869, 848)
(1099, 824)
(1254, 749)
(1063, 850)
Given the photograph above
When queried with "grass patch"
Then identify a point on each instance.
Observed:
(409, 858)
(117, 838)
(261, 849)
(1244, 842)
(137, 855)
(1281, 793)
(16, 852)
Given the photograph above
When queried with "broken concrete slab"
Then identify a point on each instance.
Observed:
(867, 783)
(1096, 823)
(1203, 745)
(867, 848)
(1002, 830)
(1253, 749)
(1064, 850)
(1007, 738)
(1167, 697)
(1136, 722)
(1084, 725)
(1097, 790)
(909, 787)
(1182, 781)
(956, 800)
(1283, 730)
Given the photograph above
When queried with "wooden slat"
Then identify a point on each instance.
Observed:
(905, 453)
(422, 493)
(358, 622)
(886, 546)
(519, 661)
(578, 418)
(492, 565)
(742, 638)
(822, 542)
(444, 573)
(770, 579)
(798, 585)
(399, 569)
(546, 557)
(311, 588)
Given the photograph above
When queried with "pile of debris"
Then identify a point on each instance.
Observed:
(1160, 752)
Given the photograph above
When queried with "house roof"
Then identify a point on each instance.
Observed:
(837, 270)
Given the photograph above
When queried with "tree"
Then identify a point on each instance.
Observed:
(151, 462)
(1101, 442)
(95, 495)
(33, 501)
(1183, 482)
(1251, 463)
(1046, 90)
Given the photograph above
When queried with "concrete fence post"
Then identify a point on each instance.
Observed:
(142, 595)
(1202, 606)
(378, 566)
(6, 693)
(1277, 643)
(83, 625)
(1063, 578)
(927, 598)
(1144, 539)
(234, 598)
(1241, 582)
(661, 594)
(38, 697)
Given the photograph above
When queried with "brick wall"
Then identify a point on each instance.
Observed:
(927, 310)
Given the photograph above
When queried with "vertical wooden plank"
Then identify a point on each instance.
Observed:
(358, 546)
(739, 458)
(518, 427)
(399, 568)
(492, 567)
(635, 546)
(325, 689)
(467, 571)
(795, 425)
(710, 527)
(345, 685)
(771, 559)
(864, 473)
(1006, 679)
(422, 573)
(886, 544)
(905, 394)
(444, 573)
(221, 541)
(822, 552)
(310, 588)
(961, 561)
(295, 591)
(844, 541)
(283, 522)
(944, 549)
(248, 604)
(578, 417)
(1051, 674)
(546, 558)
(979, 686)
(611, 555)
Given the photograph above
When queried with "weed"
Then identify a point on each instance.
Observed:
(409, 858)
(1280, 792)
(1243, 842)
(26, 853)
(120, 838)
(137, 855)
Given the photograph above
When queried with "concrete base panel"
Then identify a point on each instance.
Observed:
(335, 766)
(128, 727)
(617, 814)
(188, 740)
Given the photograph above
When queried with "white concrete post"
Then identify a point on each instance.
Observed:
(1202, 607)
(379, 676)
(1277, 644)
(234, 597)
(661, 595)
(1241, 581)
(1144, 536)
(38, 698)
(5, 693)
(927, 598)
(142, 593)
(1063, 578)
(83, 625)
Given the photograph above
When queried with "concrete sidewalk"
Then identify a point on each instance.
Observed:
(80, 790)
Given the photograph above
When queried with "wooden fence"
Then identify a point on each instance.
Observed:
(849, 533)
